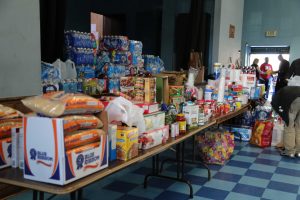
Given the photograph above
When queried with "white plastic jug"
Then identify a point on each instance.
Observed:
(70, 69)
(62, 67)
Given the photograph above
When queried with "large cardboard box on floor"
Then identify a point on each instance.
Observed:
(46, 159)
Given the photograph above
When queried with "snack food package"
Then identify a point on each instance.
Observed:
(262, 133)
(9, 113)
(80, 138)
(59, 103)
(127, 143)
(78, 122)
(7, 125)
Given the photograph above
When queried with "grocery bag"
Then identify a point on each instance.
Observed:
(277, 134)
(216, 147)
(262, 133)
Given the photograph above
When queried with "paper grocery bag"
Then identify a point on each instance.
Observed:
(196, 61)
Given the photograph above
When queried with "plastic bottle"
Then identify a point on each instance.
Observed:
(182, 123)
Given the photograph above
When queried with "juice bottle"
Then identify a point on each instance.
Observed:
(182, 123)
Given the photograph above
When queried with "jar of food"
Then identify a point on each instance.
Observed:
(182, 123)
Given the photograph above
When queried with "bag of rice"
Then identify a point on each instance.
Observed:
(81, 138)
(60, 103)
(77, 122)
(7, 125)
(9, 113)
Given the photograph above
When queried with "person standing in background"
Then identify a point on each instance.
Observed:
(265, 74)
(294, 69)
(255, 64)
(286, 102)
(282, 73)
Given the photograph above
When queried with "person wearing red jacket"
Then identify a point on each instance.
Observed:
(266, 71)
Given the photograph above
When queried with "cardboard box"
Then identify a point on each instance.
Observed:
(139, 89)
(17, 135)
(155, 120)
(149, 108)
(5, 152)
(127, 142)
(112, 140)
(162, 89)
(191, 113)
(176, 91)
(154, 138)
(45, 156)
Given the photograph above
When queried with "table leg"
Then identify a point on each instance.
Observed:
(34, 195)
(178, 159)
(79, 194)
(180, 168)
(154, 170)
(41, 195)
(73, 195)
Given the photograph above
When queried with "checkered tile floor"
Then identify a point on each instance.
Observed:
(252, 173)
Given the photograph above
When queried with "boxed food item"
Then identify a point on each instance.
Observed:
(149, 107)
(127, 142)
(5, 152)
(140, 89)
(154, 120)
(154, 137)
(17, 158)
(162, 89)
(191, 113)
(47, 160)
(176, 91)
(112, 140)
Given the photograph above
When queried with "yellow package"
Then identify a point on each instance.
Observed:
(127, 143)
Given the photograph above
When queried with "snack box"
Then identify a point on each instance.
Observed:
(149, 107)
(17, 158)
(127, 142)
(46, 159)
(112, 140)
(176, 91)
(5, 152)
(155, 120)
(191, 113)
(155, 137)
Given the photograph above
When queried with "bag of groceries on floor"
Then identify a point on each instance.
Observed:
(262, 133)
(216, 146)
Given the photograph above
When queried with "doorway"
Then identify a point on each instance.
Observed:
(272, 52)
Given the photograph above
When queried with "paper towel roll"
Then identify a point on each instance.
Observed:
(221, 88)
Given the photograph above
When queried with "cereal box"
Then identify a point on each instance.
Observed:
(127, 142)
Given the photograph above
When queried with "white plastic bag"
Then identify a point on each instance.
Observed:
(294, 81)
(277, 134)
(120, 109)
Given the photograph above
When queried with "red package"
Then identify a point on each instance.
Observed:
(262, 133)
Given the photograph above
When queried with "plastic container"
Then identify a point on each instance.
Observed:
(180, 118)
